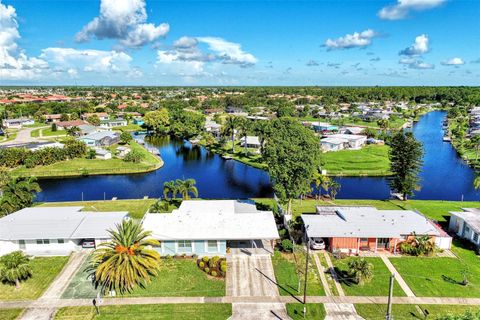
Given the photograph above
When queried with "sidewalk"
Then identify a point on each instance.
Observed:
(398, 277)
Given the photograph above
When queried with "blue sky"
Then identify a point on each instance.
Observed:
(144, 42)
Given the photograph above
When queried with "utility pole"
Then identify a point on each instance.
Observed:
(390, 294)
(306, 274)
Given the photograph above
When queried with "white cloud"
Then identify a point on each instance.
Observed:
(453, 62)
(228, 52)
(124, 20)
(416, 64)
(14, 62)
(401, 9)
(419, 47)
(357, 39)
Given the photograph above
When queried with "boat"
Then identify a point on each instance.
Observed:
(227, 157)
(447, 139)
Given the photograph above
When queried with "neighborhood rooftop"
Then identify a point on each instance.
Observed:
(212, 220)
(366, 222)
(471, 216)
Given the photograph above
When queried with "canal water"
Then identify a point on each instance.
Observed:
(444, 176)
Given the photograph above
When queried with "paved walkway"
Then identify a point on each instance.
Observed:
(340, 291)
(43, 308)
(398, 277)
(341, 311)
(321, 272)
(252, 275)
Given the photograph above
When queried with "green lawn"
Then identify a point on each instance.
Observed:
(35, 133)
(45, 269)
(177, 278)
(130, 127)
(83, 166)
(48, 132)
(315, 311)
(440, 277)
(378, 286)
(149, 312)
(10, 314)
(410, 311)
(369, 161)
(288, 278)
(135, 208)
(251, 158)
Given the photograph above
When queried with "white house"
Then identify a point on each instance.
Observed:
(250, 142)
(466, 224)
(333, 144)
(354, 141)
(102, 154)
(54, 230)
(213, 127)
(17, 123)
(209, 227)
(113, 123)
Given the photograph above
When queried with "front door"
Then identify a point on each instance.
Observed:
(383, 243)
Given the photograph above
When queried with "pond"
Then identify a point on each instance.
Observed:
(444, 176)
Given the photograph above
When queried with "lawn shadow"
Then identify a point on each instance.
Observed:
(344, 277)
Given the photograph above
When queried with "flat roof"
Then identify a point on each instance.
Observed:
(212, 220)
(365, 222)
(58, 223)
(471, 216)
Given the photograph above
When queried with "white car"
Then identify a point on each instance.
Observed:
(317, 244)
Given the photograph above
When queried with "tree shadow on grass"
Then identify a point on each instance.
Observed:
(344, 277)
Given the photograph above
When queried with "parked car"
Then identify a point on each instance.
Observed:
(317, 244)
(87, 244)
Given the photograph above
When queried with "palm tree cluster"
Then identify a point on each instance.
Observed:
(360, 270)
(125, 262)
(418, 245)
(183, 187)
(14, 268)
(17, 194)
(326, 183)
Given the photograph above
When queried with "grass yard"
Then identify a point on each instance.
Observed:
(287, 276)
(48, 132)
(177, 278)
(429, 277)
(371, 160)
(10, 314)
(35, 133)
(378, 286)
(135, 208)
(45, 269)
(315, 311)
(410, 311)
(130, 127)
(83, 166)
(149, 312)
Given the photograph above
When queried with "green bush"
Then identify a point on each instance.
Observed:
(287, 245)
(207, 270)
(223, 268)
(133, 156)
(213, 262)
(205, 259)
(201, 264)
(214, 273)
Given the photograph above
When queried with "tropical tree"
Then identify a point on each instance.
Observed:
(18, 193)
(169, 187)
(231, 123)
(334, 188)
(360, 270)
(157, 120)
(125, 262)
(94, 120)
(476, 182)
(185, 187)
(159, 206)
(262, 129)
(126, 137)
(73, 131)
(243, 128)
(15, 267)
(383, 124)
(405, 155)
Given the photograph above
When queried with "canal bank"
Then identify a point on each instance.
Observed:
(444, 175)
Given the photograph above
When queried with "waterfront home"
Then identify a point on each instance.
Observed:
(122, 151)
(354, 141)
(102, 154)
(209, 227)
(333, 144)
(466, 224)
(88, 129)
(101, 115)
(100, 139)
(352, 130)
(17, 123)
(356, 229)
(63, 125)
(55, 230)
(213, 127)
(52, 118)
(252, 142)
(113, 123)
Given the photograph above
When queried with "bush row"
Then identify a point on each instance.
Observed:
(214, 266)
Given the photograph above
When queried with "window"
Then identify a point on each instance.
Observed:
(184, 245)
(43, 241)
(21, 244)
(212, 246)
(475, 237)
(60, 241)
(363, 239)
(466, 229)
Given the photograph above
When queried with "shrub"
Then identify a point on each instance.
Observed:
(214, 273)
(223, 268)
(201, 264)
(282, 233)
(133, 156)
(205, 259)
(287, 245)
(207, 270)
(213, 262)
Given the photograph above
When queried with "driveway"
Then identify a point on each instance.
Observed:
(252, 275)
(23, 137)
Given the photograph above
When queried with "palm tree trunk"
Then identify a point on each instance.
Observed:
(17, 284)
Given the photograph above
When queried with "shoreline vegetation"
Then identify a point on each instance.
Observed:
(81, 167)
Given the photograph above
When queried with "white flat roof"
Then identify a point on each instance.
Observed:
(365, 222)
(58, 223)
(471, 216)
(352, 137)
(335, 141)
(212, 220)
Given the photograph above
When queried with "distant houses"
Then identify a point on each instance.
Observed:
(113, 123)
(17, 123)
(336, 142)
(101, 115)
(252, 142)
(100, 139)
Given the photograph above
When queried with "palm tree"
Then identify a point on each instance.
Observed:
(262, 129)
(334, 188)
(159, 206)
(125, 262)
(15, 267)
(243, 127)
(476, 182)
(185, 187)
(360, 270)
(73, 131)
(18, 193)
(229, 127)
(423, 244)
(321, 181)
(170, 187)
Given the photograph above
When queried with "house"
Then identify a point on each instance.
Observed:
(102, 154)
(333, 144)
(88, 129)
(321, 126)
(113, 123)
(101, 115)
(52, 118)
(55, 230)
(213, 127)
(100, 139)
(17, 123)
(250, 142)
(466, 224)
(357, 229)
(209, 227)
(354, 141)
(63, 125)
(353, 130)
(122, 151)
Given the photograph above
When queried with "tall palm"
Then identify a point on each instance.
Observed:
(169, 187)
(262, 129)
(243, 127)
(73, 131)
(185, 187)
(15, 267)
(18, 193)
(360, 270)
(334, 188)
(125, 262)
(476, 182)
(159, 206)
(229, 128)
